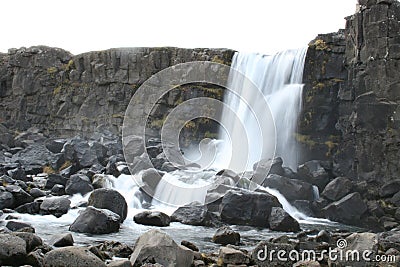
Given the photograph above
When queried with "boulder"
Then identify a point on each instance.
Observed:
(348, 210)
(291, 189)
(195, 214)
(30, 208)
(62, 240)
(389, 239)
(58, 190)
(280, 220)
(55, 145)
(105, 198)
(360, 242)
(337, 188)
(314, 173)
(189, 245)
(12, 250)
(16, 226)
(54, 179)
(6, 199)
(32, 241)
(36, 192)
(72, 257)
(119, 263)
(267, 166)
(152, 218)
(20, 195)
(19, 174)
(225, 235)
(96, 221)
(230, 256)
(155, 246)
(101, 181)
(78, 183)
(390, 188)
(150, 178)
(247, 207)
(56, 206)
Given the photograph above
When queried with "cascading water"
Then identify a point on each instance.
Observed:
(279, 78)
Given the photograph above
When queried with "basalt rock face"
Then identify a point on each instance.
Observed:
(352, 94)
(64, 95)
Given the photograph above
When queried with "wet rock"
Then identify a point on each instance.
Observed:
(12, 250)
(153, 218)
(32, 241)
(157, 246)
(62, 240)
(195, 214)
(225, 235)
(337, 188)
(390, 188)
(189, 245)
(110, 199)
(304, 206)
(95, 169)
(35, 154)
(280, 220)
(71, 257)
(78, 183)
(267, 166)
(16, 226)
(96, 221)
(111, 167)
(390, 239)
(56, 206)
(116, 249)
(247, 207)
(292, 189)
(58, 190)
(54, 179)
(349, 209)
(233, 256)
(150, 178)
(35, 258)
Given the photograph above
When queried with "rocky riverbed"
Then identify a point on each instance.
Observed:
(74, 201)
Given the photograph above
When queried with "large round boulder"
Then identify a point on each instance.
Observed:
(96, 221)
(105, 198)
(155, 246)
(72, 257)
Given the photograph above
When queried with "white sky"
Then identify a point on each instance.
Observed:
(78, 26)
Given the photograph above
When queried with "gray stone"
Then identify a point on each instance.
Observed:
(232, 256)
(56, 206)
(62, 240)
(337, 188)
(225, 235)
(292, 189)
(12, 250)
(280, 220)
(157, 246)
(78, 183)
(71, 257)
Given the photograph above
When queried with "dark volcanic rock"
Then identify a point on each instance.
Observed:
(78, 183)
(248, 208)
(96, 221)
(225, 235)
(280, 220)
(153, 218)
(337, 188)
(314, 173)
(30, 208)
(349, 209)
(292, 189)
(6, 199)
(16, 226)
(390, 188)
(110, 199)
(54, 179)
(32, 241)
(20, 196)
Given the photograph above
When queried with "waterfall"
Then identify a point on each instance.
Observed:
(254, 81)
